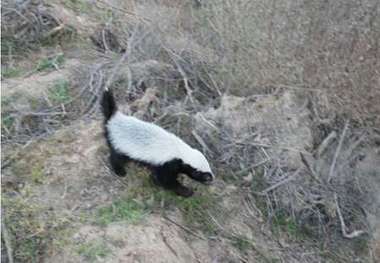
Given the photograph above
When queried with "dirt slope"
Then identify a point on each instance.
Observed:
(272, 148)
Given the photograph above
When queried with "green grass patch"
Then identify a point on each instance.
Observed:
(361, 245)
(50, 63)
(7, 121)
(35, 103)
(29, 169)
(259, 184)
(241, 243)
(145, 196)
(10, 72)
(102, 14)
(32, 228)
(37, 174)
(79, 6)
(59, 93)
(91, 251)
(66, 36)
(121, 210)
(9, 45)
(286, 224)
(194, 209)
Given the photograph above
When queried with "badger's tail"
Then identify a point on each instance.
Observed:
(108, 104)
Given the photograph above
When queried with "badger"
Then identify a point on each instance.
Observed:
(165, 154)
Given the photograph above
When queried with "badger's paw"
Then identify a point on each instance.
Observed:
(183, 191)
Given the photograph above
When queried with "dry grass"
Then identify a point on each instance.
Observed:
(190, 54)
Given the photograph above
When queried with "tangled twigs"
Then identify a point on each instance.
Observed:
(274, 186)
(124, 11)
(115, 69)
(175, 57)
(36, 23)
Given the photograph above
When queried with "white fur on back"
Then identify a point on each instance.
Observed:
(148, 142)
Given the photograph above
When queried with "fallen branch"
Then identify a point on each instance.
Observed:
(184, 228)
(354, 233)
(167, 243)
(274, 186)
(338, 149)
(249, 205)
(322, 147)
(275, 147)
(313, 173)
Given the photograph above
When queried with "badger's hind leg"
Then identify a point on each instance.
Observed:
(118, 161)
(181, 190)
(167, 177)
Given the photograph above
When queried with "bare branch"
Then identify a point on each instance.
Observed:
(274, 186)
(184, 228)
(338, 149)
(313, 173)
(322, 147)
(354, 233)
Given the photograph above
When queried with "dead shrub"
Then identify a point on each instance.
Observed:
(28, 24)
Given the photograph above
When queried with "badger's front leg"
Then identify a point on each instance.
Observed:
(167, 176)
(118, 161)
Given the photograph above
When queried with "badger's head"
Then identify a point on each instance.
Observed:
(197, 167)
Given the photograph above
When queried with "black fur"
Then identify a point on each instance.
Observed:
(166, 175)
(108, 105)
(118, 161)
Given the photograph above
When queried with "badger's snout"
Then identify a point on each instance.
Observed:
(207, 178)
(202, 177)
